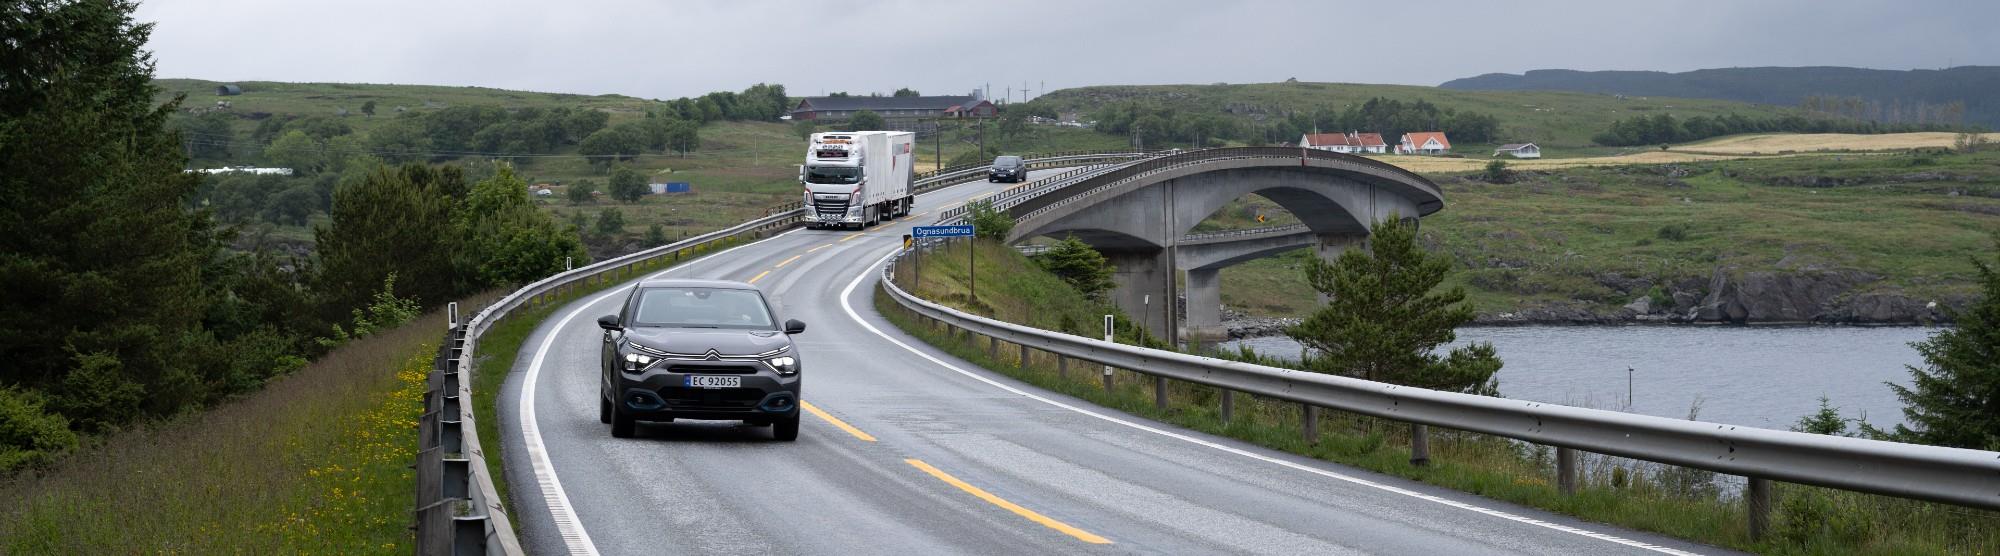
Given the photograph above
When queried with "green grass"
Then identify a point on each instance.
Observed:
(1557, 120)
(315, 462)
(1671, 501)
(1547, 237)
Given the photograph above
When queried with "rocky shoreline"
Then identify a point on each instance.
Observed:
(1821, 297)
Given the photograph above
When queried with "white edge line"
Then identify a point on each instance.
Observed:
(560, 511)
(849, 307)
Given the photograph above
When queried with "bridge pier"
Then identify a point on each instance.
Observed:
(1145, 290)
(1204, 304)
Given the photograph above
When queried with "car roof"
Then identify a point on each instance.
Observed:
(686, 283)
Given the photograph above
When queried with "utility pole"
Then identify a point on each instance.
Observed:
(1024, 91)
(937, 139)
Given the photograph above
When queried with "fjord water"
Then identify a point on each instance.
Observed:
(1764, 377)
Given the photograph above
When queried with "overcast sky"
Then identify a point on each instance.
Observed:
(666, 49)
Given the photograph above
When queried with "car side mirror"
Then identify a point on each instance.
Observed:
(609, 322)
(793, 326)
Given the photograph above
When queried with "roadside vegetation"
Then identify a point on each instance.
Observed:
(316, 462)
(1686, 503)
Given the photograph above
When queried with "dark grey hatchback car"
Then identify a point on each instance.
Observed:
(699, 349)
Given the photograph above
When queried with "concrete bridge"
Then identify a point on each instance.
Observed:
(1139, 216)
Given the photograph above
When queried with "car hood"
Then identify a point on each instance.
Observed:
(699, 341)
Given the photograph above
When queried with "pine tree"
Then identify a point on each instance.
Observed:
(1385, 318)
(1954, 400)
(393, 221)
(100, 265)
(1079, 265)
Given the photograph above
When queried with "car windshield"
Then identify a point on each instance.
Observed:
(702, 308)
(1007, 161)
(833, 174)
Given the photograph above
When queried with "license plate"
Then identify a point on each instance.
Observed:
(705, 381)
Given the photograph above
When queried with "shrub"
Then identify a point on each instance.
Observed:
(988, 222)
(29, 435)
(1673, 232)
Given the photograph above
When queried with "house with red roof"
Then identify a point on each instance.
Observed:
(1424, 142)
(1350, 142)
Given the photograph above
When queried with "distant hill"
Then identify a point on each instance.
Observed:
(1557, 119)
(1977, 86)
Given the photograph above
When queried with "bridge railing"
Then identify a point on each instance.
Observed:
(929, 181)
(1225, 234)
(1949, 475)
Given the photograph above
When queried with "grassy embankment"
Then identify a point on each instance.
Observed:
(1546, 237)
(1679, 502)
(316, 462)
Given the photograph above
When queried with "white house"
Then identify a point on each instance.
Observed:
(1424, 142)
(1350, 142)
(1519, 150)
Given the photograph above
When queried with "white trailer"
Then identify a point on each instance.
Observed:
(858, 178)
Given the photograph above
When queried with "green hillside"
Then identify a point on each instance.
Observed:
(1550, 119)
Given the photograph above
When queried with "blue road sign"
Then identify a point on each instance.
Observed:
(941, 231)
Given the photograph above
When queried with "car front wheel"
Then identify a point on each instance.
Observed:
(786, 430)
(622, 424)
(603, 410)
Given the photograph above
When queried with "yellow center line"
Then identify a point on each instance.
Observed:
(819, 248)
(856, 234)
(788, 261)
(760, 276)
(1065, 528)
(836, 421)
(920, 214)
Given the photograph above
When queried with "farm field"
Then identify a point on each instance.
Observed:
(1776, 143)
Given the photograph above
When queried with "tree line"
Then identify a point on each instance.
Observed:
(126, 300)
(1152, 124)
(1664, 129)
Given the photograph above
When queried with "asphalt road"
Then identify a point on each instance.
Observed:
(931, 455)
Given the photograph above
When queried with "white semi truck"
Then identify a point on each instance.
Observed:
(858, 178)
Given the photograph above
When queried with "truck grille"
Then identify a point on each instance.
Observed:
(837, 208)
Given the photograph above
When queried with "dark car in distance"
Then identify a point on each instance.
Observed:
(1008, 169)
(699, 349)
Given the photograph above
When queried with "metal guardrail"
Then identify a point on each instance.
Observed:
(1949, 475)
(1226, 234)
(965, 173)
(458, 510)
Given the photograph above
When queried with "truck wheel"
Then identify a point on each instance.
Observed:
(786, 430)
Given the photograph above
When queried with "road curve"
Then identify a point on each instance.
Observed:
(909, 450)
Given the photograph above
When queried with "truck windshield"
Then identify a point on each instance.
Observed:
(833, 174)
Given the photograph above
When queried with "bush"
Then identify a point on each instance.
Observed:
(1673, 232)
(988, 222)
(29, 435)
(1496, 172)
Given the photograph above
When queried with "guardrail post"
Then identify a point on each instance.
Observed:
(1311, 423)
(1566, 470)
(1024, 357)
(1228, 404)
(1420, 445)
(1757, 498)
(993, 348)
(1160, 392)
(1062, 366)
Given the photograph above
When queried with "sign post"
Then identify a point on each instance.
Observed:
(955, 231)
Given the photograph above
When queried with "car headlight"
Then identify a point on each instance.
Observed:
(785, 365)
(636, 361)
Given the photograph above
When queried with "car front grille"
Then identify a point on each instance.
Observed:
(711, 399)
(712, 369)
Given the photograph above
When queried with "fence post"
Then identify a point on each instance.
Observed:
(1757, 496)
(1160, 392)
(1566, 469)
(1420, 445)
(1228, 404)
(1311, 424)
